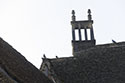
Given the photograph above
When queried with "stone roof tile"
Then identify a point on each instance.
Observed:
(100, 64)
(17, 67)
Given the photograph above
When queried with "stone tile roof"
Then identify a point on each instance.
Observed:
(14, 68)
(5, 78)
(100, 64)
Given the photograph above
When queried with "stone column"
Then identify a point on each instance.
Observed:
(92, 33)
(73, 34)
(80, 37)
(86, 37)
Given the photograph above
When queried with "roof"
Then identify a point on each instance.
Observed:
(100, 64)
(14, 68)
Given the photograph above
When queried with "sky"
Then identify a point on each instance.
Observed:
(37, 27)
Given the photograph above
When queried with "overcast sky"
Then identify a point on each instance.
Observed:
(35, 27)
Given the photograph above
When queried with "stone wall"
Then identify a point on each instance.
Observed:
(82, 45)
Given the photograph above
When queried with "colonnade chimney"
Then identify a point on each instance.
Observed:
(83, 42)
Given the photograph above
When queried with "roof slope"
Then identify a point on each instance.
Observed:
(5, 78)
(13, 66)
(100, 64)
